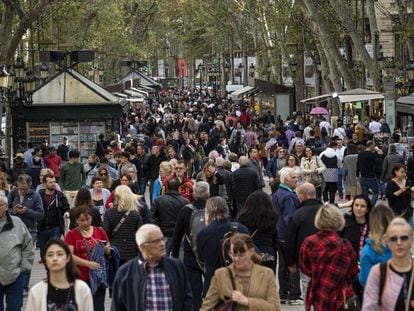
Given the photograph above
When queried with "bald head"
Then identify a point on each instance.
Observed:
(243, 160)
(305, 192)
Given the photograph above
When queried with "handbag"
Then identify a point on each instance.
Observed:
(263, 256)
(315, 178)
(352, 303)
(228, 304)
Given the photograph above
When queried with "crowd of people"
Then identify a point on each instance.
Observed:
(173, 213)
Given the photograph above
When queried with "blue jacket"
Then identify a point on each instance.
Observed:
(369, 257)
(130, 281)
(34, 205)
(285, 202)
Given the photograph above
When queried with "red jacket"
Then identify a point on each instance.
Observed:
(331, 263)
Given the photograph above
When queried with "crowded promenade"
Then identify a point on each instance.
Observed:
(200, 201)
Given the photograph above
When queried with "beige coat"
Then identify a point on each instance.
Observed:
(263, 292)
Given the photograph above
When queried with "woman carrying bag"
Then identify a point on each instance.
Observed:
(390, 284)
(254, 286)
(312, 168)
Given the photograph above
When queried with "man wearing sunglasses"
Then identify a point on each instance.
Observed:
(153, 281)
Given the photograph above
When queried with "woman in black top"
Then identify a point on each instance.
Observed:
(356, 223)
(398, 194)
(259, 216)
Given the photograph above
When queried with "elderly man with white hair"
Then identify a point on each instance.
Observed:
(286, 202)
(154, 281)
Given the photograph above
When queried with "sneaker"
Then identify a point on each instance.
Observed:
(296, 302)
(283, 301)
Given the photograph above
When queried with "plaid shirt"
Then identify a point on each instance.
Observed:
(157, 291)
(331, 264)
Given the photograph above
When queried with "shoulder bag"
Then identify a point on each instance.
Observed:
(120, 223)
(228, 304)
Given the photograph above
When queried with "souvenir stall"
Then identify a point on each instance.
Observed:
(70, 105)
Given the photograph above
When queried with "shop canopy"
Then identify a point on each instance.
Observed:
(357, 95)
(316, 98)
(405, 104)
(242, 92)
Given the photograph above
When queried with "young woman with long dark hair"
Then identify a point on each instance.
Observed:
(62, 289)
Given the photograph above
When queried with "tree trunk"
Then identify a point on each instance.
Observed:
(328, 44)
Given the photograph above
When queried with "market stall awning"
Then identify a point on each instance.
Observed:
(405, 104)
(243, 91)
(406, 99)
(357, 95)
(316, 98)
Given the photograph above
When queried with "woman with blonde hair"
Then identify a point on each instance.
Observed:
(166, 170)
(375, 250)
(122, 220)
(248, 284)
(398, 271)
(329, 261)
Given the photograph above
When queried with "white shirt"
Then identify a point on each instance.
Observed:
(340, 155)
(340, 132)
(374, 127)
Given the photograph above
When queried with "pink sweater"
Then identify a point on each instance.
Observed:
(392, 289)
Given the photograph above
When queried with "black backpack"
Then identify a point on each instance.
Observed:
(225, 258)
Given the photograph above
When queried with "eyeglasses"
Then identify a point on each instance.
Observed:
(395, 238)
(157, 241)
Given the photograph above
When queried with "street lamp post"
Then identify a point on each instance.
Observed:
(251, 70)
(240, 73)
(200, 72)
(17, 90)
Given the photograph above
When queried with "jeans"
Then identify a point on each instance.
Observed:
(143, 185)
(45, 235)
(98, 298)
(289, 283)
(195, 277)
(340, 187)
(13, 293)
(370, 183)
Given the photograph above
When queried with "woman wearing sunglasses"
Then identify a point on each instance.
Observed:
(254, 285)
(397, 288)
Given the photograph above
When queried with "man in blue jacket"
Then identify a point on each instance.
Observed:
(286, 202)
(153, 281)
(25, 203)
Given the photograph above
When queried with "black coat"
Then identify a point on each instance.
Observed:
(208, 246)
(154, 165)
(58, 207)
(299, 228)
(122, 239)
(165, 211)
(244, 181)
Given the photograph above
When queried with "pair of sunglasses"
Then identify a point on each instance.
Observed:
(402, 238)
